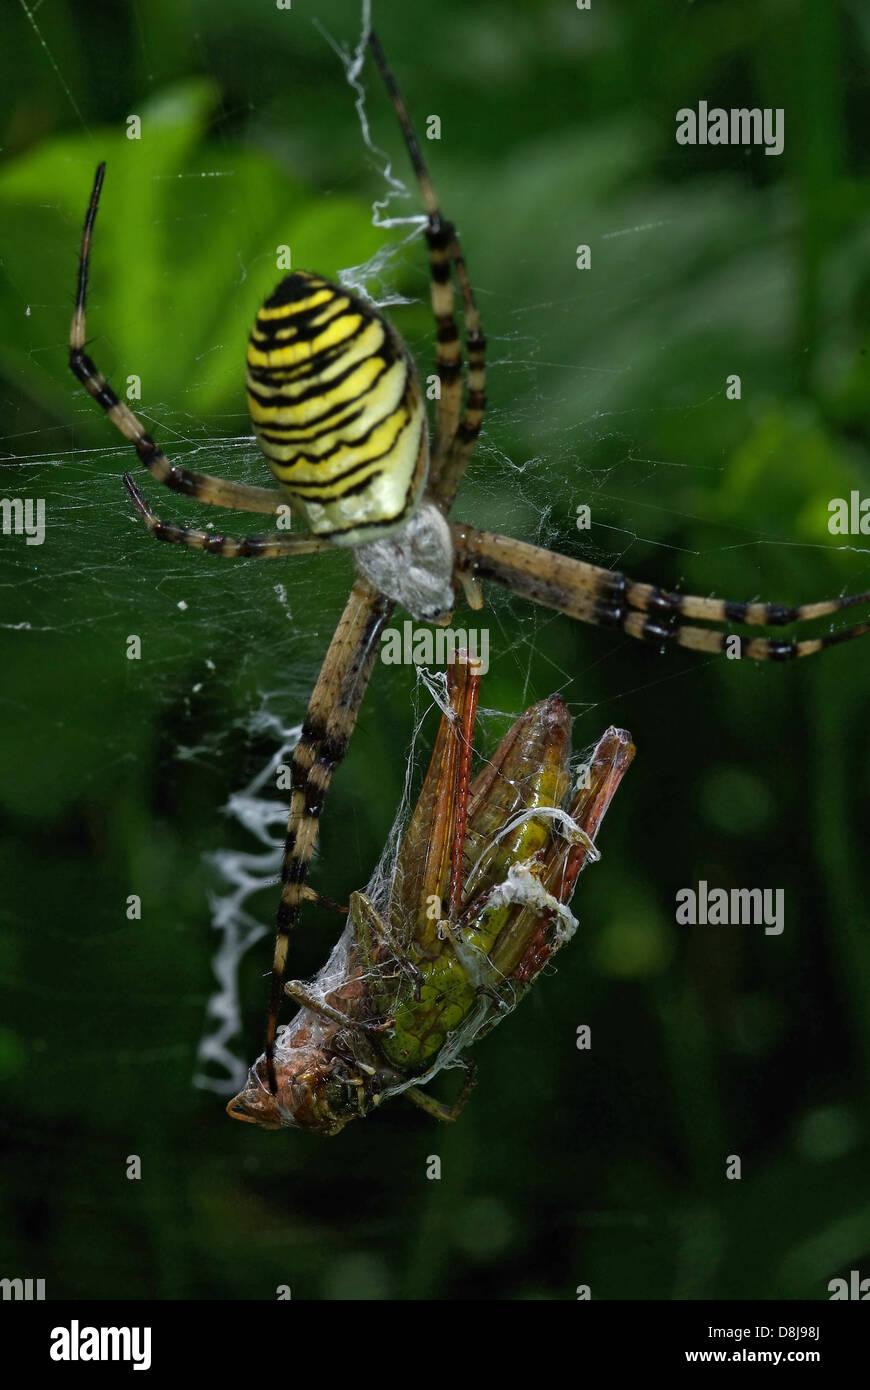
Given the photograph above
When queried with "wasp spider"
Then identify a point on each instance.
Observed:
(338, 412)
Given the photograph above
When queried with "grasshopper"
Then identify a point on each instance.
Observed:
(477, 907)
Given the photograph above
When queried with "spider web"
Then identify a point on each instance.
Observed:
(581, 365)
(221, 1068)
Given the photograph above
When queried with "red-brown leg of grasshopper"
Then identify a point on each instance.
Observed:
(429, 866)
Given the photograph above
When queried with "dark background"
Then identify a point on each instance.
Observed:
(607, 386)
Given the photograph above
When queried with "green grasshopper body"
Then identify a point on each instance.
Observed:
(477, 907)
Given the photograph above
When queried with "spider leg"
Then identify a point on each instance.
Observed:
(312, 896)
(264, 547)
(454, 438)
(205, 488)
(329, 723)
(462, 446)
(439, 234)
(608, 599)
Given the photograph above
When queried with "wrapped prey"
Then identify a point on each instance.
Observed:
(478, 904)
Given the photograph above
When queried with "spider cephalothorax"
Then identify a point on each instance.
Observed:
(338, 412)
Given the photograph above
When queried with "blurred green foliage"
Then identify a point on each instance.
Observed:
(603, 1168)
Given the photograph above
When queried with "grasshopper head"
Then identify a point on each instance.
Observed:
(311, 1093)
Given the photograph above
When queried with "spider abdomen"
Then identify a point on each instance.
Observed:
(337, 410)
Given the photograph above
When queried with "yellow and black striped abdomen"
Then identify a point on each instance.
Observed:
(337, 410)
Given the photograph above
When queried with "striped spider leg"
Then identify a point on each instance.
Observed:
(338, 412)
(478, 904)
(607, 598)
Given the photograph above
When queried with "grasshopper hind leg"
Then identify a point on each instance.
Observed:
(436, 1108)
